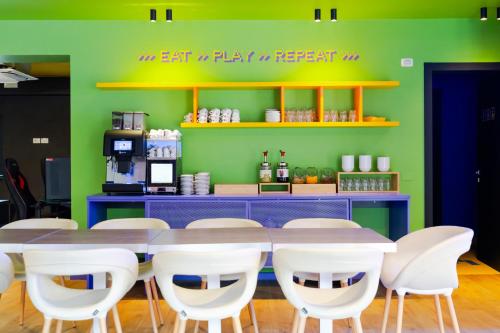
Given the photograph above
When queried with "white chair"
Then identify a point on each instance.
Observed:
(320, 223)
(6, 272)
(334, 303)
(60, 303)
(17, 259)
(146, 273)
(425, 264)
(208, 304)
(230, 223)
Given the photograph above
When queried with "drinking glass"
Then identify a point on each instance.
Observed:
(373, 184)
(308, 116)
(343, 116)
(380, 184)
(352, 116)
(300, 116)
(349, 184)
(364, 184)
(290, 115)
(387, 184)
(334, 115)
(357, 184)
(342, 185)
(326, 117)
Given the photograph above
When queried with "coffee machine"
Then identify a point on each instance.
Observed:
(125, 152)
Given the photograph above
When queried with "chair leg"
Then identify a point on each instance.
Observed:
(61, 281)
(388, 295)
(154, 289)
(116, 320)
(453, 314)
(296, 318)
(23, 302)
(147, 285)
(176, 323)
(439, 314)
(399, 323)
(302, 325)
(357, 325)
(237, 325)
(46, 325)
(102, 325)
(253, 316)
(197, 323)
(59, 326)
(182, 326)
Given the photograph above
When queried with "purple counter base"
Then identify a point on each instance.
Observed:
(271, 210)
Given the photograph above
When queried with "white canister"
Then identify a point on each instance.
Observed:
(383, 163)
(365, 163)
(348, 163)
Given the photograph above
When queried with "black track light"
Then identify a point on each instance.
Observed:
(498, 13)
(169, 15)
(317, 15)
(333, 14)
(152, 15)
(484, 13)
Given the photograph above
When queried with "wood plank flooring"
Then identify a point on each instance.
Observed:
(477, 302)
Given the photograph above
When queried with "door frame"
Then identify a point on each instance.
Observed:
(429, 70)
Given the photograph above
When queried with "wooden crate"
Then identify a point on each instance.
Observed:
(236, 189)
(314, 189)
(265, 188)
(395, 176)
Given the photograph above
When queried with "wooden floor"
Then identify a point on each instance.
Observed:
(477, 303)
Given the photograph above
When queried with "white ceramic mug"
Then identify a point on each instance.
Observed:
(365, 163)
(348, 163)
(383, 163)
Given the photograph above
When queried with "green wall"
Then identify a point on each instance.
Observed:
(108, 51)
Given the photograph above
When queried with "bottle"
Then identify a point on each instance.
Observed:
(282, 171)
(265, 172)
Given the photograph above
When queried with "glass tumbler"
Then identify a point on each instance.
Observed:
(349, 184)
(373, 184)
(299, 176)
(352, 116)
(380, 184)
(343, 116)
(364, 184)
(357, 184)
(326, 116)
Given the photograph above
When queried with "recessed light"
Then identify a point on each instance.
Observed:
(333, 14)
(498, 13)
(169, 15)
(152, 15)
(484, 13)
(317, 15)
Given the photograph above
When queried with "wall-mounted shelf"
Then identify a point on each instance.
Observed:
(320, 86)
(393, 178)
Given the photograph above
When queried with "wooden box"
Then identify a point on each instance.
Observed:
(394, 180)
(236, 189)
(314, 189)
(274, 188)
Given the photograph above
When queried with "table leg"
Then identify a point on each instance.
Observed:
(213, 282)
(325, 282)
(99, 283)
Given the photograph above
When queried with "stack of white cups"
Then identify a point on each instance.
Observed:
(235, 116)
(187, 184)
(202, 115)
(202, 183)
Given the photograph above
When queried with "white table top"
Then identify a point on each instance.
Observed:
(136, 240)
(211, 239)
(14, 240)
(330, 238)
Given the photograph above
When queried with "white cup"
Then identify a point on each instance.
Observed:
(348, 163)
(365, 163)
(383, 163)
(159, 152)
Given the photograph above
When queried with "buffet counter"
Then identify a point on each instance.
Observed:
(272, 211)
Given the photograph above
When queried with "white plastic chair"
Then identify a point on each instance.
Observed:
(208, 304)
(6, 272)
(61, 303)
(334, 303)
(17, 259)
(146, 273)
(230, 223)
(425, 264)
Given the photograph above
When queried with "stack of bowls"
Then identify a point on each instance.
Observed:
(273, 116)
(214, 116)
(202, 115)
(235, 116)
(226, 115)
(202, 183)
(187, 184)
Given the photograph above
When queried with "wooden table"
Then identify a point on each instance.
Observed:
(14, 240)
(329, 239)
(135, 240)
(211, 239)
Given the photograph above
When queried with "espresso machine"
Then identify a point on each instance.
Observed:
(125, 152)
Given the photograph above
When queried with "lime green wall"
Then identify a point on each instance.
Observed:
(107, 51)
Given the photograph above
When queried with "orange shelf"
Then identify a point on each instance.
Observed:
(289, 125)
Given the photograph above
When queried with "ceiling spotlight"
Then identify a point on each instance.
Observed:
(484, 13)
(169, 15)
(498, 13)
(333, 14)
(152, 15)
(317, 15)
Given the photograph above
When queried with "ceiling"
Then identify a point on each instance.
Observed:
(241, 9)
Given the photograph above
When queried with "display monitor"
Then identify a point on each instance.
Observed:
(123, 145)
(161, 173)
